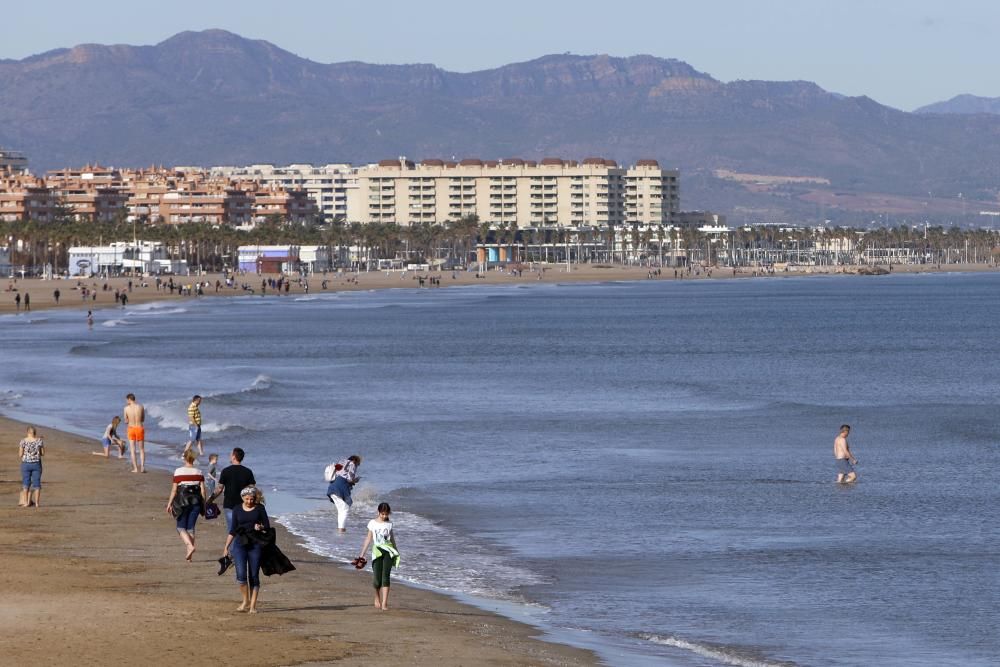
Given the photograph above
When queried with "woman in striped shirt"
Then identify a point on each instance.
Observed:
(187, 500)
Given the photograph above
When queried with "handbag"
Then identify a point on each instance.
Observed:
(211, 511)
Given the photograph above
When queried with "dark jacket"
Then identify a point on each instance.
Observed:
(272, 561)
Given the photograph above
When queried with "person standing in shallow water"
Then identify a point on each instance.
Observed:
(845, 459)
(339, 491)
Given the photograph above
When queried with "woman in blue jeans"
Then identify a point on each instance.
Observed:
(30, 451)
(187, 500)
(249, 517)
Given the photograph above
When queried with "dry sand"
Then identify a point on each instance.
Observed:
(42, 291)
(96, 576)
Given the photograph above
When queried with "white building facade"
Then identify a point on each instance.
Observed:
(552, 193)
(143, 257)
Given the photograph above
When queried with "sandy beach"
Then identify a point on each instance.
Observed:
(42, 292)
(96, 576)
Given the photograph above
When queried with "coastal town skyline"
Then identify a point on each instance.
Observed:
(902, 57)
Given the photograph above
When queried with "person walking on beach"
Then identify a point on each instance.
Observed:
(110, 437)
(55, 295)
(249, 519)
(27, 302)
(194, 425)
(212, 478)
(17, 302)
(135, 417)
(385, 554)
(30, 451)
(233, 478)
(845, 459)
(187, 501)
(339, 491)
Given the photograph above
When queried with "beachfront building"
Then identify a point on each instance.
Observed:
(207, 202)
(25, 197)
(515, 193)
(12, 161)
(267, 258)
(142, 257)
(276, 203)
(326, 185)
(697, 219)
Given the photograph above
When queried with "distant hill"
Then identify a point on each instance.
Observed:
(964, 104)
(216, 98)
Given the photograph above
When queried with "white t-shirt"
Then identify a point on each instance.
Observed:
(187, 476)
(381, 532)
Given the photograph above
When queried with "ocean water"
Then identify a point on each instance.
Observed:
(642, 468)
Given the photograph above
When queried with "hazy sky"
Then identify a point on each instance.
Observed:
(904, 53)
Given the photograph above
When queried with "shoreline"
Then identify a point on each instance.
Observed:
(42, 290)
(102, 544)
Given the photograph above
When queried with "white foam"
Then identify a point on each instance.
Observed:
(115, 323)
(427, 550)
(161, 311)
(721, 654)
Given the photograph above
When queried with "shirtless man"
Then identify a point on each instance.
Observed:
(845, 459)
(135, 415)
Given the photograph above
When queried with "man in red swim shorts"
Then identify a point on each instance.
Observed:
(135, 415)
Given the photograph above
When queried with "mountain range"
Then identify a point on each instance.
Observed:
(964, 104)
(755, 150)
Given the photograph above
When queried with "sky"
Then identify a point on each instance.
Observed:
(903, 53)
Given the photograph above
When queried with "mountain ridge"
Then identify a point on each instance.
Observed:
(213, 97)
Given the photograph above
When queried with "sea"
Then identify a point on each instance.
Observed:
(642, 468)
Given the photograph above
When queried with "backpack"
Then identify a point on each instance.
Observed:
(331, 471)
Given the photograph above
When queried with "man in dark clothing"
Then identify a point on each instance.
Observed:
(233, 479)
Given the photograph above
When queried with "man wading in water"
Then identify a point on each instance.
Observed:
(845, 459)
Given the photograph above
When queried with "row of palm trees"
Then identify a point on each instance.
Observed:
(213, 247)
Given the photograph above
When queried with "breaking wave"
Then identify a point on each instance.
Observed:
(727, 655)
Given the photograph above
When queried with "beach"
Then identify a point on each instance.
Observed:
(641, 468)
(144, 289)
(97, 575)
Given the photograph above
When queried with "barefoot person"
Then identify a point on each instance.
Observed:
(194, 425)
(110, 437)
(135, 417)
(30, 451)
(187, 500)
(845, 459)
(249, 518)
(339, 491)
(385, 555)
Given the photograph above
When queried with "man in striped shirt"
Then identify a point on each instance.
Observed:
(194, 425)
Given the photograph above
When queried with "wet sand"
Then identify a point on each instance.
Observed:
(97, 576)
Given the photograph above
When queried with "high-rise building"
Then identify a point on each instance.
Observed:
(551, 193)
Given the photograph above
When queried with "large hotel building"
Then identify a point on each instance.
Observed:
(522, 193)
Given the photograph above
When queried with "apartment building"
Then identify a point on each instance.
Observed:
(326, 185)
(215, 203)
(294, 206)
(26, 198)
(12, 161)
(550, 193)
